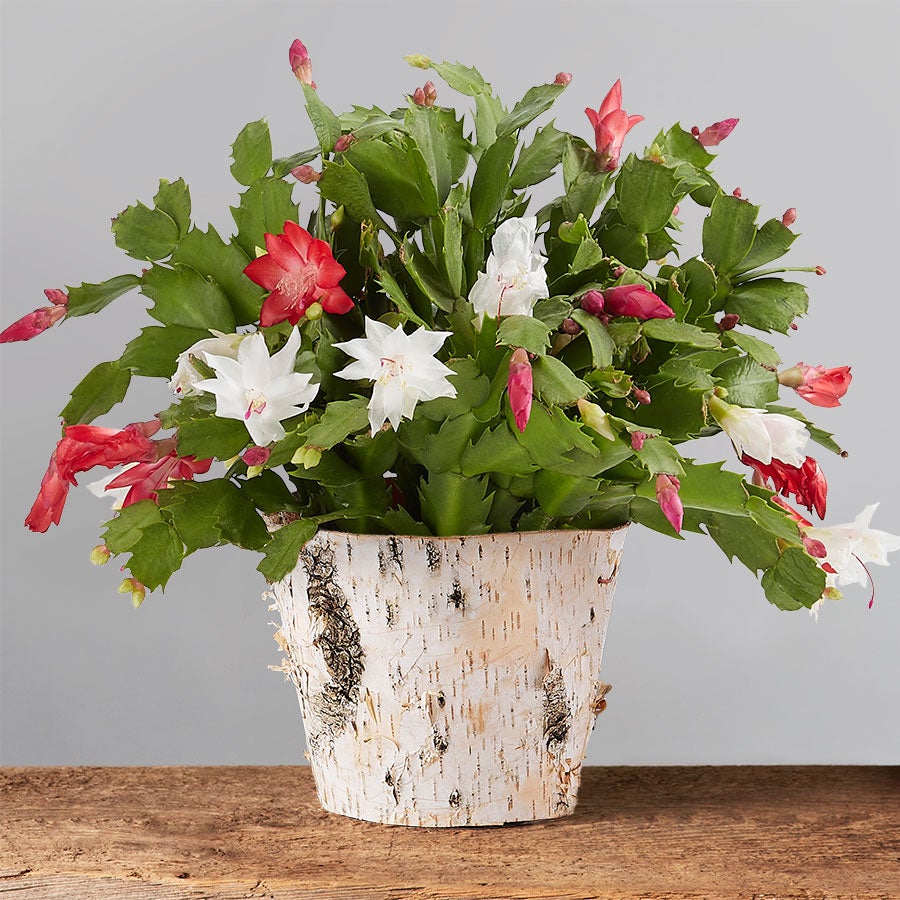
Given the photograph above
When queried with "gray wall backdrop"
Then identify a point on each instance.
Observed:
(100, 100)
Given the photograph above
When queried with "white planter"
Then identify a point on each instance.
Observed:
(449, 681)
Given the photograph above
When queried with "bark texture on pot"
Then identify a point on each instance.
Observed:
(449, 681)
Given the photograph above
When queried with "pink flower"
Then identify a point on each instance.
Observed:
(40, 320)
(301, 63)
(146, 479)
(716, 133)
(669, 502)
(635, 300)
(298, 270)
(816, 384)
(521, 387)
(611, 124)
(563, 78)
(256, 456)
(82, 448)
(806, 482)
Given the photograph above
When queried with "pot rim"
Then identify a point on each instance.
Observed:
(464, 537)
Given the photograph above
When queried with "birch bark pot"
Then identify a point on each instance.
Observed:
(448, 681)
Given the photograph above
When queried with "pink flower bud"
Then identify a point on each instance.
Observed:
(716, 133)
(637, 440)
(728, 321)
(430, 93)
(570, 326)
(563, 78)
(520, 385)
(56, 296)
(789, 217)
(592, 302)
(641, 395)
(619, 271)
(34, 323)
(816, 384)
(820, 270)
(793, 326)
(635, 300)
(301, 64)
(675, 211)
(306, 174)
(737, 193)
(256, 456)
(669, 502)
(419, 96)
(343, 142)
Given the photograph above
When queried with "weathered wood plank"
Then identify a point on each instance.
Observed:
(238, 832)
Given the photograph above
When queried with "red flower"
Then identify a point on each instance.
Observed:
(40, 320)
(520, 385)
(806, 482)
(816, 384)
(611, 124)
(299, 270)
(667, 487)
(146, 479)
(716, 133)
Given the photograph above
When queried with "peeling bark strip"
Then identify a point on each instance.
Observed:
(338, 639)
(449, 681)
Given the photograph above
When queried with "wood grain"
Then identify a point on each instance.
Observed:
(767, 833)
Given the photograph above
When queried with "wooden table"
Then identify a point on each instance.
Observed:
(768, 833)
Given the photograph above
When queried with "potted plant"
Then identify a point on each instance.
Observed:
(435, 411)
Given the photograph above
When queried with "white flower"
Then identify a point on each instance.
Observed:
(117, 495)
(514, 279)
(258, 389)
(184, 381)
(848, 547)
(403, 367)
(763, 435)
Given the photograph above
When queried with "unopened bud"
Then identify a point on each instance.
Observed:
(793, 326)
(641, 395)
(337, 219)
(314, 311)
(593, 302)
(256, 457)
(419, 60)
(619, 271)
(594, 417)
(563, 78)
(301, 63)
(418, 96)
(259, 251)
(728, 321)
(832, 593)
(306, 174)
(789, 217)
(695, 131)
(135, 588)
(343, 142)
(820, 270)
(737, 193)
(100, 555)
(430, 92)
(675, 211)
(637, 440)
(570, 326)
(308, 457)
(655, 154)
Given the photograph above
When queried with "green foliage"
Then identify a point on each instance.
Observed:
(97, 393)
(409, 209)
(252, 153)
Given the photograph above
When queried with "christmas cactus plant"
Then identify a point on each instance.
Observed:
(412, 349)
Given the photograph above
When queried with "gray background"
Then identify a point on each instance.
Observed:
(99, 100)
